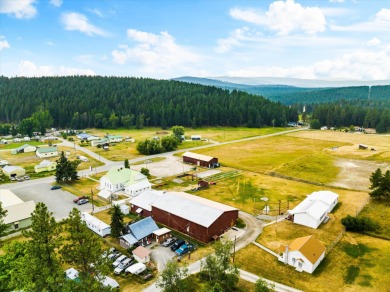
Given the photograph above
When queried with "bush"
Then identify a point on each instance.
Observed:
(359, 224)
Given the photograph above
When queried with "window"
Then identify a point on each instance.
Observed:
(16, 225)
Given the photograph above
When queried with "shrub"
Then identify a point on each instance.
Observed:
(359, 224)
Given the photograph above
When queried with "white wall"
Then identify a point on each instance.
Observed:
(306, 220)
(136, 189)
(307, 266)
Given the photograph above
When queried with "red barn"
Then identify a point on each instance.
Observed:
(199, 218)
(200, 160)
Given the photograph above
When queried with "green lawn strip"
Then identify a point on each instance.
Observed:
(379, 212)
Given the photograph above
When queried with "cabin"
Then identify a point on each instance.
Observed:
(140, 232)
(141, 254)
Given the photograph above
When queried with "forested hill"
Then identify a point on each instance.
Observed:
(375, 96)
(109, 102)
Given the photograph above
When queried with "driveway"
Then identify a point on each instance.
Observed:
(161, 256)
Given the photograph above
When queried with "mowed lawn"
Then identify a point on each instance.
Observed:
(379, 212)
(331, 275)
(301, 158)
(381, 144)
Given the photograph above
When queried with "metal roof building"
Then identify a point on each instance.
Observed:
(200, 159)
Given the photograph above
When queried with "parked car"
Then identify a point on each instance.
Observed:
(119, 260)
(82, 201)
(147, 276)
(177, 244)
(185, 248)
(168, 241)
(56, 187)
(79, 198)
(123, 265)
(26, 177)
(115, 254)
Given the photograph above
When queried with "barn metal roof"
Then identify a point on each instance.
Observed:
(327, 197)
(145, 199)
(143, 228)
(193, 208)
(198, 156)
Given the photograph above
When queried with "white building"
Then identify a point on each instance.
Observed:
(119, 179)
(313, 210)
(304, 253)
(46, 152)
(96, 225)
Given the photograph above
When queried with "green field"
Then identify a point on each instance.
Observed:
(378, 211)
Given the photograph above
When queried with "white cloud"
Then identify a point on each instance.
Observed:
(97, 12)
(155, 53)
(56, 3)
(18, 8)
(49, 43)
(373, 42)
(3, 43)
(76, 21)
(361, 64)
(381, 22)
(285, 17)
(236, 38)
(29, 69)
(336, 1)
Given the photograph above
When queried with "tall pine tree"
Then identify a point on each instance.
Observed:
(116, 221)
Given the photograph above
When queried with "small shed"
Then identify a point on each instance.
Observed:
(72, 274)
(141, 254)
(196, 137)
(362, 146)
(161, 234)
(200, 159)
(13, 171)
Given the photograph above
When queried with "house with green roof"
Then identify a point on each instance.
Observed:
(102, 142)
(130, 181)
(43, 152)
(114, 138)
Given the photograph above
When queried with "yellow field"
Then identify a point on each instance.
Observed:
(381, 144)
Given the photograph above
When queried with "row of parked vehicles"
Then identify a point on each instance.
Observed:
(122, 263)
(179, 246)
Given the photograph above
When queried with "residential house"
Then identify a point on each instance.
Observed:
(83, 136)
(18, 212)
(114, 138)
(327, 197)
(13, 171)
(101, 142)
(119, 179)
(96, 225)
(24, 149)
(44, 152)
(304, 253)
(141, 254)
(45, 165)
(140, 232)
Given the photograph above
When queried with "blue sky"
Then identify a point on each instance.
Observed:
(337, 39)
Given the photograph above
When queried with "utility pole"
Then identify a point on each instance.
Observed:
(234, 248)
(279, 207)
(92, 201)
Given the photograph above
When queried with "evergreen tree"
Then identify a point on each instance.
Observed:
(14, 251)
(380, 184)
(126, 163)
(3, 226)
(40, 269)
(66, 171)
(145, 171)
(83, 251)
(116, 221)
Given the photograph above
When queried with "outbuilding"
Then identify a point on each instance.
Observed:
(24, 149)
(161, 234)
(96, 225)
(45, 165)
(140, 232)
(200, 159)
(13, 171)
(142, 203)
(141, 254)
(199, 218)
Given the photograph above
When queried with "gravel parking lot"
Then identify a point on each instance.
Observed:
(57, 201)
(161, 256)
(170, 166)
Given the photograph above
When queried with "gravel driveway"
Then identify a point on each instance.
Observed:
(170, 166)
(161, 256)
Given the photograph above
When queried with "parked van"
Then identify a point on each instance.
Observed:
(136, 269)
